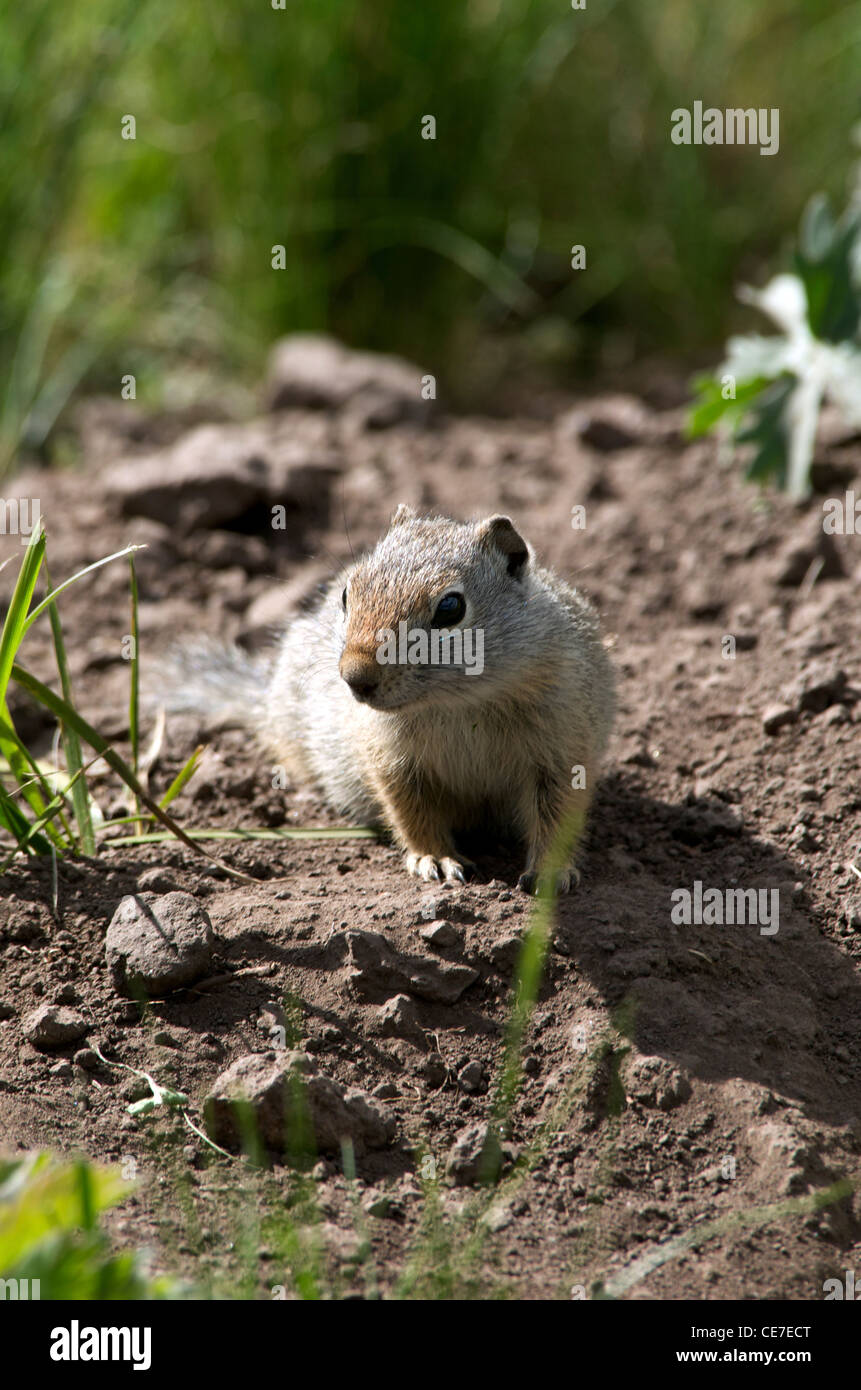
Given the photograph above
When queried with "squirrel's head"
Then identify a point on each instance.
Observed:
(435, 614)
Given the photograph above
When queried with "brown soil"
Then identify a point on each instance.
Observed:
(754, 1038)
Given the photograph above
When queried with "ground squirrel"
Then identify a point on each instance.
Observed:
(444, 682)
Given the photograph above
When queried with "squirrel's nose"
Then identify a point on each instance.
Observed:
(361, 673)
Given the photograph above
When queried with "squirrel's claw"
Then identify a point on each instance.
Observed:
(423, 866)
(426, 867)
(564, 880)
(455, 870)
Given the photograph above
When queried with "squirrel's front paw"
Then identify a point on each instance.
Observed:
(561, 882)
(425, 866)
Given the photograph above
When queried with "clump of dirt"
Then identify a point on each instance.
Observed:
(679, 1075)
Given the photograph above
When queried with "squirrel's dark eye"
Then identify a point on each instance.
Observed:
(449, 610)
(344, 600)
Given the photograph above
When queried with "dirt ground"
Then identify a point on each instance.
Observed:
(687, 1088)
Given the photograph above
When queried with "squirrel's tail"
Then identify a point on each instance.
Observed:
(214, 679)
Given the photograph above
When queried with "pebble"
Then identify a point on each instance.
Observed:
(265, 1083)
(441, 933)
(158, 944)
(472, 1079)
(51, 1026)
(776, 716)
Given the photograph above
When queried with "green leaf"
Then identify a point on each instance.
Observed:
(817, 230)
(172, 1099)
(39, 1195)
(824, 261)
(768, 432)
(714, 405)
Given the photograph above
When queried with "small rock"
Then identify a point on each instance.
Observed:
(165, 1039)
(441, 934)
(315, 372)
(210, 476)
(819, 685)
(498, 1217)
(6, 1010)
(837, 714)
(471, 1078)
(373, 1128)
(655, 1082)
(123, 1011)
(87, 1059)
(156, 945)
(377, 1204)
(158, 880)
(608, 424)
(266, 1084)
(62, 1069)
(505, 952)
(776, 716)
(52, 1026)
(66, 994)
(807, 792)
(432, 1071)
(134, 1088)
(805, 840)
(397, 1018)
(385, 1091)
(781, 1154)
(477, 1155)
(378, 968)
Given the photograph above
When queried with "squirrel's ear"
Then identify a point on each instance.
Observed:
(403, 513)
(498, 533)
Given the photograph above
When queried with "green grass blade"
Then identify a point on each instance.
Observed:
(184, 775)
(134, 680)
(71, 742)
(51, 810)
(66, 713)
(53, 594)
(21, 763)
(348, 832)
(15, 624)
(14, 820)
(530, 966)
(11, 637)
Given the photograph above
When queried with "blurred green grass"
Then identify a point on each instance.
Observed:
(301, 126)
